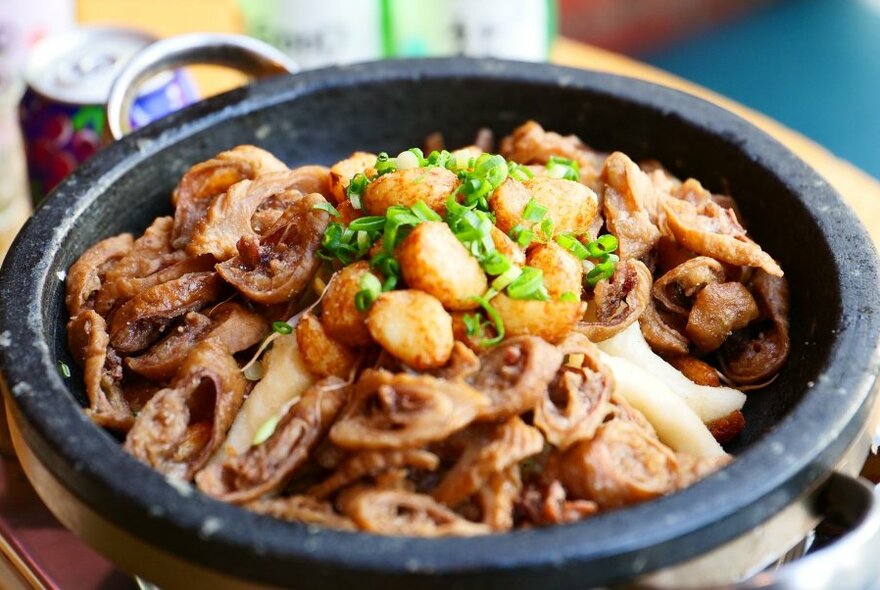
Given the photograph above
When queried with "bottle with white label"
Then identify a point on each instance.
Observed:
(317, 34)
(511, 29)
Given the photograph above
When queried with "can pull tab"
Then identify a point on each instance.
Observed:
(250, 56)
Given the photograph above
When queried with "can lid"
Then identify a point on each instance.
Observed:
(79, 66)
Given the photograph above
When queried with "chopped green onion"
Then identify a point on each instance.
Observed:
(370, 223)
(439, 158)
(356, 188)
(506, 278)
(603, 270)
(534, 211)
(521, 235)
(328, 208)
(563, 168)
(386, 264)
(473, 324)
(384, 164)
(573, 245)
(371, 288)
(64, 369)
(547, 229)
(282, 328)
(497, 322)
(425, 213)
(529, 285)
(568, 296)
(496, 263)
(519, 172)
(602, 245)
(266, 430)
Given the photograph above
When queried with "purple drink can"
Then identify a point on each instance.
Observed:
(68, 79)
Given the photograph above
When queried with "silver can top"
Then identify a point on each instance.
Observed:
(79, 66)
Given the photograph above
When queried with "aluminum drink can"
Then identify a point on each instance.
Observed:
(68, 78)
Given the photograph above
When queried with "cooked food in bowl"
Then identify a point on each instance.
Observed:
(452, 344)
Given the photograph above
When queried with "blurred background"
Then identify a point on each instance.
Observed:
(811, 64)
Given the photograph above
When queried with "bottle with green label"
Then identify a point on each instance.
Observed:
(511, 29)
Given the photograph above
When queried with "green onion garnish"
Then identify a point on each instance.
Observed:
(605, 244)
(384, 164)
(369, 223)
(563, 168)
(266, 430)
(573, 245)
(534, 211)
(521, 235)
(282, 328)
(519, 172)
(496, 321)
(568, 296)
(371, 288)
(473, 324)
(506, 278)
(529, 285)
(64, 369)
(356, 188)
(496, 263)
(425, 213)
(603, 270)
(546, 229)
(328, 208)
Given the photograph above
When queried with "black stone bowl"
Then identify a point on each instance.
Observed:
(798, 428)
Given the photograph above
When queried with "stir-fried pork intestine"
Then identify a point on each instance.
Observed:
(205, 181)
(398, 512)
(393, 411)
(576, 402)
(148, 254)
(266, 467)
(434, 343)
(713, 231)
(718, 310)
(304, 509)
(229, 323)
(229, 218)
(278, 265)
(549, 505)
(663, 338)
(175, 266)
(490, 452)
(618, 467)
(85, 276)
(629, 204)
(531, 144)
(756, 353)
(498, 498)
(373, 464)
(102, 371)
(181, 426)
(139, 322)
(515, 374)
(617, 302)
(677, 288)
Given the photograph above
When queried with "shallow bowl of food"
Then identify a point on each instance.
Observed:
(790, 434)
